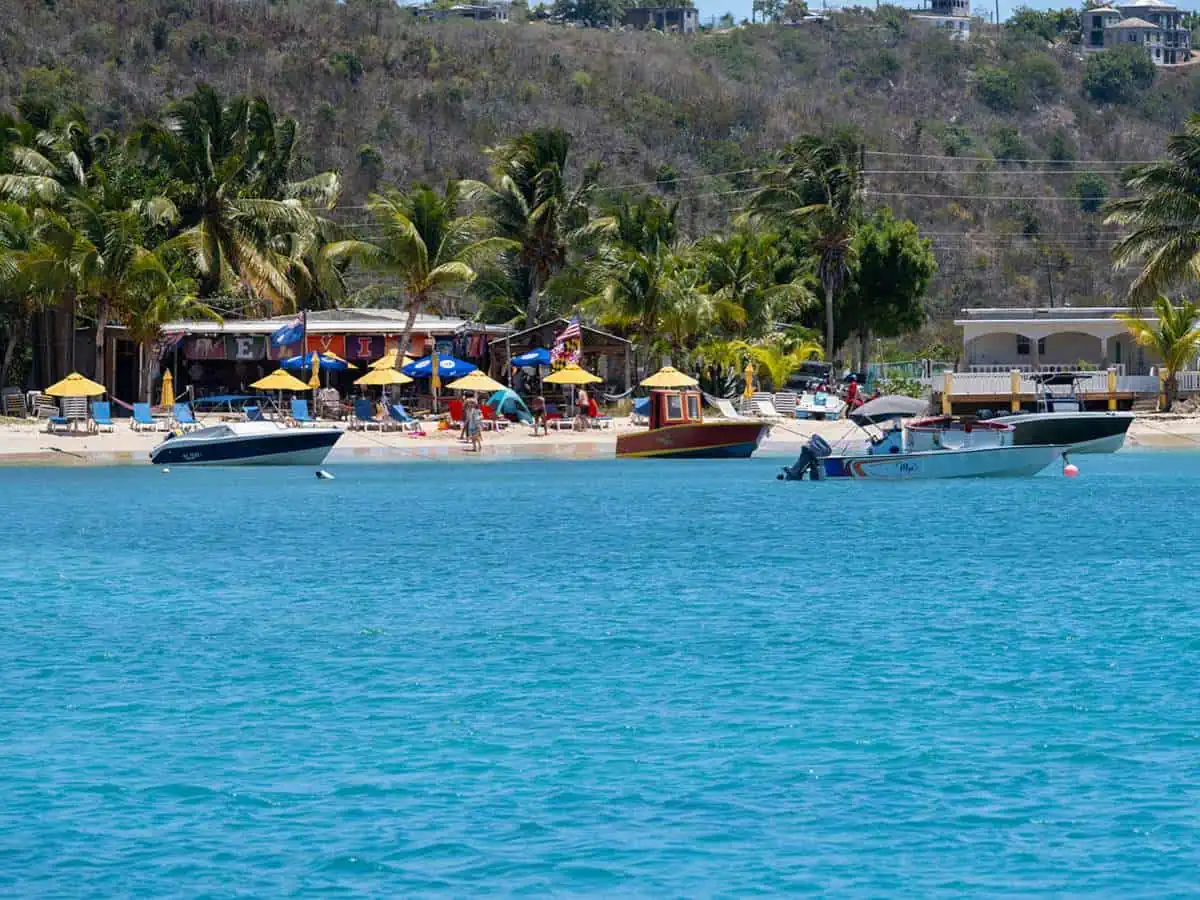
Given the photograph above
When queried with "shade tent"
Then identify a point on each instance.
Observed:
(539, 356)
(448, 367)
(893, 406)
(507, 402)
(75, 385)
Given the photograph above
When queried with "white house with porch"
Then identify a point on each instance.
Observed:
(1057, 339)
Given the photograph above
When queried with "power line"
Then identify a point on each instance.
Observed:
(1026, 197)
(1064, 162)
(1001, 173)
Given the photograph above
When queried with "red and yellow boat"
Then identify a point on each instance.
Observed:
(678, 431)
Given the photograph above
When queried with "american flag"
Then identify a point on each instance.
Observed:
(571, 331)
(567, 345)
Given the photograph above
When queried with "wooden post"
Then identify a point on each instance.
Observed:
(628, 367)
(1162, 388)
(947, 388)
(1014, 387)
(1112, 389)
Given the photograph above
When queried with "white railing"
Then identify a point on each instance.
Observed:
(1187, 382)
(985, 383)
(994, 369)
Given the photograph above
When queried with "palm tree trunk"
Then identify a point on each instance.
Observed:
(102, 307)
(829, 319)
(146, 378)
(16, 335)
(414, 309)
(1172, 389)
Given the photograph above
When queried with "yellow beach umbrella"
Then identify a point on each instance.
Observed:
(315, 380)
(168, 389)
(389, 361)
(434, 382)
(573, 374)
(75, 385)
(669, 377)
(279, 380)
(383, 377)
(476, 381)
(748, 374)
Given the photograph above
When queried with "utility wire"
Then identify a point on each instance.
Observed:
(992, 159)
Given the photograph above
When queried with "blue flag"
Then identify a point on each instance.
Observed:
(289, 332)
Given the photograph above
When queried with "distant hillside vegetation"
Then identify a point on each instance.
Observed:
(387, 98)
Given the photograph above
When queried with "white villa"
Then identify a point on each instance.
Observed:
(1156, 26)
(1058, 339)
(951, 16)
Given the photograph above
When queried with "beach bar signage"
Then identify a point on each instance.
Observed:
(245, 346)
(326, 343)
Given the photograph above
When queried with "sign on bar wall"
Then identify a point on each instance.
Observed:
(362, 346)
(204, 348)
(326, 343)
(245, 346)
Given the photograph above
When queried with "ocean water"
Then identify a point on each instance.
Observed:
(618, 678)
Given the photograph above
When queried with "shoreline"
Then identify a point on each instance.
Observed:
(26, 446)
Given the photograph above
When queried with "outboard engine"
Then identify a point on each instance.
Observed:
(809, 461)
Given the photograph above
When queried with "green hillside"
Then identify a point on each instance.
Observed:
(384, 98)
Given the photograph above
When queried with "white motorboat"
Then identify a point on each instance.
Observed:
(927, 448)
(247, 443)
(1059, 418)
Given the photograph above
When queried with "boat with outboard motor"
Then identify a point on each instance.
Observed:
(247, 443)
(1059, 417)
(678, 430)
(939, 447)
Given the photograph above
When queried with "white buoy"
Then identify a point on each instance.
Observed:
(166, 470)
(325, 476)
(1070, 470)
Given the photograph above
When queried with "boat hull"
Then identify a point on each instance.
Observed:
(695, 440)
(1080, 432)
(295, 447)
(984, 462)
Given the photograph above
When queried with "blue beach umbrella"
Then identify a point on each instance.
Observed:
(305, 361)
(536, 357)
(448, 367)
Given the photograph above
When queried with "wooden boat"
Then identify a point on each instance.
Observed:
(678, 431)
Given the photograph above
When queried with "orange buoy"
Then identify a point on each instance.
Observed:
(1070, 470)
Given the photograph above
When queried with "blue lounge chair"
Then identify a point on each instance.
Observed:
(364, 416)
(54, 423)
(300, 413)
(253, 413)
(142, 418)
(102, 415)
(400, 416)
(184, 418)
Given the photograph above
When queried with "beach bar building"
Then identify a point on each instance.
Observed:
(215, 358)
(604, 353)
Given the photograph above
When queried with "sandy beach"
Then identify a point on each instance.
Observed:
(29, 444)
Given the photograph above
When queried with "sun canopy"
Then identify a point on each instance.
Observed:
(669, 377)
(448, 367)
(75, 385)
(572, 374)
(475, 381)
(383, 377)
(539, 356)
(893, 406)
(330, 361)
(388, 361)
(280, 380)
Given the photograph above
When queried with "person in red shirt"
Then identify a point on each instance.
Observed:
(852, 400)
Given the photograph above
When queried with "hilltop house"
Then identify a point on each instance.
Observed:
(681, 19)
(1154, 25)
(951, 16)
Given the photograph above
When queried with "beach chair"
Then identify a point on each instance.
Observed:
(555, 419)
(12, 403)
(44, 406)
(364, 416)
(491, 420)
(399, 415)
(765, 409)
(183, 417)
(102, 415)
(75, 411)
(786, 403)
(253, 413)
(300, 413)
(456, 412)
(725, 408)
(142, 420)
(56, 422)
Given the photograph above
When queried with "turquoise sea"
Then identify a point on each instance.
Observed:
(618, 678)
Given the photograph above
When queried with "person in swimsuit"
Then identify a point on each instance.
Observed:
(537, 406)
(473, 424)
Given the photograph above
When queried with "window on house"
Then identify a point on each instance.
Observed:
(1022, 345)
(1041, 346)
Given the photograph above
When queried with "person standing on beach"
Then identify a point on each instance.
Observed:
(473, 425)
(581, 406)
(537, 406)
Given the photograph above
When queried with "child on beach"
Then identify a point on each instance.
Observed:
(473, 424)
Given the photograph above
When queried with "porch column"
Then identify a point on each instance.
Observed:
(1035, 358)
(1104, 351)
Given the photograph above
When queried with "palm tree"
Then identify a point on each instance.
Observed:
(778, 363)
(1175, 337)
(817, 187)
(1164, 219)
(532, 205)
(145, 312)
(426, 246)
(751, 269)
(228, 166)
(19, 245)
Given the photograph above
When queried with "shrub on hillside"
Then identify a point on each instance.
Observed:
(996, 88)
(1038, 74)
(1092, 191)
(1116, 76)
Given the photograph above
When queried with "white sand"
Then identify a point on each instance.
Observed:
(28, 444)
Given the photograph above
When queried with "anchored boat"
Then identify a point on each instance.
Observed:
(247, 443)
(940, 447)
(678, 431)
(1060, 418)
